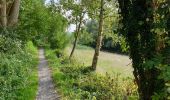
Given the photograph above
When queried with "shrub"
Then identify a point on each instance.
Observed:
(59, 41)
(9, 45)
(91, 84)
(15, 66)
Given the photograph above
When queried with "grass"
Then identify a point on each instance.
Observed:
(74, 80)
(108, 62)
(57, 75)
(77, 82)
(29, 92)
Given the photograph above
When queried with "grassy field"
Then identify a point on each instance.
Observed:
(108, 62)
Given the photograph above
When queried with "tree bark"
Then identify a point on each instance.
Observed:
(76, 36)
(14, 13)
(99, 38)
(9, 12)
(3, 14)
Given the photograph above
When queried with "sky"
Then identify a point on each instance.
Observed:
(71, 28)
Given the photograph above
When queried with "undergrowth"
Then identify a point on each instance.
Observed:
(17, 69)
(74, 81)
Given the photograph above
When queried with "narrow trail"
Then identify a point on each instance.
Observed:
(46, 90)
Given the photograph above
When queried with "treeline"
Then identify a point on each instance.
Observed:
(43, 24)
(24, 26)
(142, 28)
(144, 24)
(113, 42)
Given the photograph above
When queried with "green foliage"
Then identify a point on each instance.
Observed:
(43, 25)
(86, 38)
(111, 40)
(144, 27)
(56, 35)
(89, 33)
(31, 87)
(59, 41)
(33, 20)
(75, 81)
(9, 45)
(15, 67)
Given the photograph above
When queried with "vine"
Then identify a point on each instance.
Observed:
(144, 26)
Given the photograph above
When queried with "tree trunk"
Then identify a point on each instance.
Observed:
(76, 36)
(9, 12)
(99, 38)
(3, 14)
(141, 42)
(14, 13)
(74, 44)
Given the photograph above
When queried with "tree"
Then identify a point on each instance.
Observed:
(106, 14)
(99, 38)
(140, 25)
(77, 12)
(34, 21)
(78, 27)
(9, 12)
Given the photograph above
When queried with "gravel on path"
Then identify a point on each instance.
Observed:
(46, 89)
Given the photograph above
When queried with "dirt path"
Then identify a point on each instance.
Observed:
(46, 90)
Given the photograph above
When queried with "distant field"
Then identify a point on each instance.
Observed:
(108, 62)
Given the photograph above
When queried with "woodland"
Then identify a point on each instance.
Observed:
(95, 49)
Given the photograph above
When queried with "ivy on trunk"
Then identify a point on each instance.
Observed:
(138, 23)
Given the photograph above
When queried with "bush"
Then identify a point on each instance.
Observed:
(59, 41)
(13, 73)
(9, 45)
(92, 85)
(15, 66)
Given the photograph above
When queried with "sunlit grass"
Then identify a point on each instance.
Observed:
(108, 62)
(30, 91)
